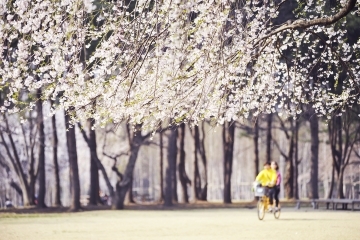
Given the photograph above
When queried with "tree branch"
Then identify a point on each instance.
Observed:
(118, 173)
(280, 4)
(116, 156)
(304, 23)
(114, 168)
(281, 152)
(83, 133)
(9, 153)
(17, 188)
(97, 160)
(356, 153)
(283, 127)
(4, 164)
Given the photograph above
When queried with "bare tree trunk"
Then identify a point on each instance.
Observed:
(203, 195)
(296, 161)
(340, 184)
(55, 159)
(174, 170)
(256, 148)
(291, 157)
(100, 166)
(42, 179)
(172, 153)
(342, 127)
(73, 163)
(332, 182)
(16, 187)
(32, 173)
(131, 195)
(314, 161)
(124, 184)
(197, 179)
(94, 170)
(32, 176)
(161, 167)
(339, 133)
(15, 161)
(228, 145)
(184, 180)
(268, 137)
(289, 177)
(340, 192)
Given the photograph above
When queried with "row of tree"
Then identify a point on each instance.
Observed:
(24, 147)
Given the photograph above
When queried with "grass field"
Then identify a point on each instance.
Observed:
(182, 224)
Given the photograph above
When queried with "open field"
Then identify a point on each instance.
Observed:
(182, 224)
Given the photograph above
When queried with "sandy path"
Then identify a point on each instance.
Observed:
(184, 224)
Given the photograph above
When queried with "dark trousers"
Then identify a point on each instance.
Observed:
(270, 194)
(276, 192)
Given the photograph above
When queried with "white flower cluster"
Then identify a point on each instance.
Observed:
(181, 60)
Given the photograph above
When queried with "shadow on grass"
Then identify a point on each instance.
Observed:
(289, 205)
(51, 210)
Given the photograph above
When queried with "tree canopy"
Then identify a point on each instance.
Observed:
(187, 60)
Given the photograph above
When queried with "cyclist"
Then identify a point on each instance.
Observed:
(276, 191)
(267, 178)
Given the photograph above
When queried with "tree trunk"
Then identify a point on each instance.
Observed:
(42, 179)
(174, 170)
(339, 169)
(332, 182)
(228, 145)
(203, 195)
(55, 159)
(122, 186)
(17, 188)
(184, 180)
(32, 172)
(256, 148)
(289, 170)
(338, 150)
(161, 167)
(197, 179)
(17, 165)
(296, 161)
(94, 170)
(340, 184)
(314, 161)
(169, 178)
(268, 137)
(100, 166)
(32, 177)
(131, 195)
(73, 163)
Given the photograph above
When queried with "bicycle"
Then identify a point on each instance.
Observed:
(264, 203)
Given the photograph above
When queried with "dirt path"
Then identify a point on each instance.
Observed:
(182, 224)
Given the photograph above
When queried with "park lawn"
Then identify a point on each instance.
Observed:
(181, 224)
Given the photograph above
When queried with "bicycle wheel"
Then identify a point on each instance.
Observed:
(261, 209)
(277, 213)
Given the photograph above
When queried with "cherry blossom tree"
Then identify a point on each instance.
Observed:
(147, 61)
(182, 60)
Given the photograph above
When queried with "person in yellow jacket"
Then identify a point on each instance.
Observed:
(267, 178)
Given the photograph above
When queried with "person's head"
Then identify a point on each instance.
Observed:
(274, 165)
(267, 165)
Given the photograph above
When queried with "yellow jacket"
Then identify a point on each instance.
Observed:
(267, 177)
